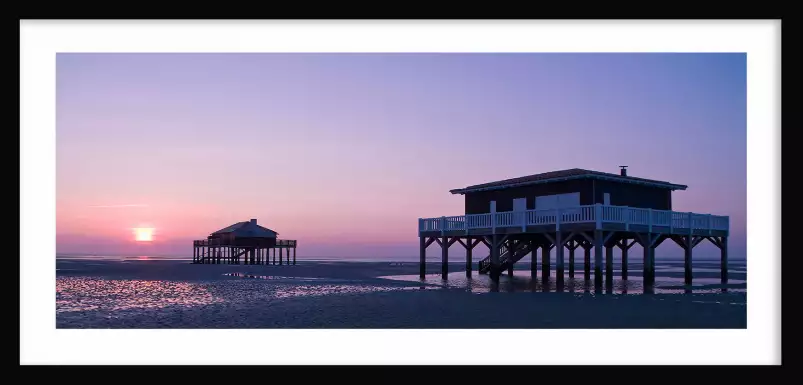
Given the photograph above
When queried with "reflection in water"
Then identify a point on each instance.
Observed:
(269, 277)
(522, 281)
(81, 293)
(318, 290)
(109, 295)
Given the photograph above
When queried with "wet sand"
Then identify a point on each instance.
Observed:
(177, 294)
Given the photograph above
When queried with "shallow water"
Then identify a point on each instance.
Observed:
(523, 281)
(669, 279)
(111, 295)
(177, 294)
(86, 293)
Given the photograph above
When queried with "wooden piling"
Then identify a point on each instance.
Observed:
(649, 251)
(597, 257)
(422, 266)
(494, 271)
(609, 263)
(587, 262)
(545, 260)
(559, 266)
(572, 246)
(469, 252)
(444, 257)
(687, 259)
(624, 249)
(723, 250)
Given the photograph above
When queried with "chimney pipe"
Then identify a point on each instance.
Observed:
(624, 170)
(253, 221)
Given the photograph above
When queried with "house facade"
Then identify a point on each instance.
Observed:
(568, 188)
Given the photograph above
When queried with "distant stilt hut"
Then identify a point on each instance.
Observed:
(243, 241)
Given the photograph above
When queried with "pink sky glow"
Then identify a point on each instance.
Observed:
(344, 152)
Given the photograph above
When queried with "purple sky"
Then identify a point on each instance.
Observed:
(344, 152)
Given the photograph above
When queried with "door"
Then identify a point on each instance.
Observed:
(493, 206)
(606, 199)
(520, 204)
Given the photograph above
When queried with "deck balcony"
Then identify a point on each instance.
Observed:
(589, 217)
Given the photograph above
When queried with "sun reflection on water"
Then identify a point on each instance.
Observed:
(83, 293)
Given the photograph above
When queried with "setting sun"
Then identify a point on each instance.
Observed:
(143, 234)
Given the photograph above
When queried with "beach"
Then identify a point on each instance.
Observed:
(177, 294)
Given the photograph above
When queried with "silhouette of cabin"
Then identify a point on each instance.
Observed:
(245, 234)
(570, 209)
(246, 241)
(568, 188)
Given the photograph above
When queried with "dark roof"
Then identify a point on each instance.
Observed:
(247, 229)
(561, 175)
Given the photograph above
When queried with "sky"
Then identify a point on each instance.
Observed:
(344, 152)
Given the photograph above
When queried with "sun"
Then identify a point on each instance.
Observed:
(143, 234)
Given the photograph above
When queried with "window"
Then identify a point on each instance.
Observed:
(606, 199)
(548, 202)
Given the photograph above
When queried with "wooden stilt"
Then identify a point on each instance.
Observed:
(281, 253)
(559, 265)
(545, 261)
(648, 243)
(294, 255)
(609, 263)
(624, 260)
(470, 245)
(688, 240)
(624, 246)
(572, 247)
(587, 261)
(597, 257)
(444, 257)
(533, 259)
(495, 266)
(422, 268)
(511, 246)
(723, 249)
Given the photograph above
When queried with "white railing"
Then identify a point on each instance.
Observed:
(581, 214)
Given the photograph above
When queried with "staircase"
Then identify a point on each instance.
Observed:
(506, 258)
